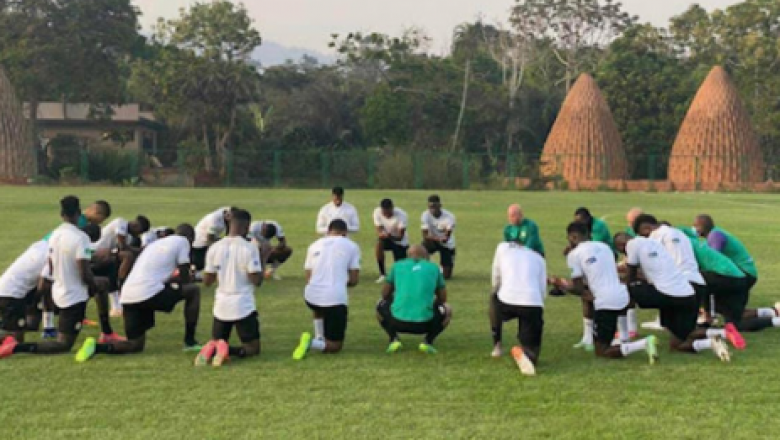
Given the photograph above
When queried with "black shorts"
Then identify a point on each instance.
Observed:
(447, 255)
(384, 309)
(71, 319)
(13, 314)
(139, 318)
(198, 257)
(731, 295)
(678, 314)
(530, 321)
(108, 268)
(248, 329)
(335, 320)
(702, 294)
(399, 252)
(605, 325)
(751, 281)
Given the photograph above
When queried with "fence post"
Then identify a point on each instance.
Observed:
(325, 168)
(84, 156)
(418, 181)
(371, 171)
(277, 168)
(229, 168)
(466, 171)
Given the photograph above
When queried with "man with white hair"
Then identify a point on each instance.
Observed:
(523, 230)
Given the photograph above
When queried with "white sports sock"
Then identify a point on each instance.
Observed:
(632, 322)
(775, 322)
(115, 304)
(632, 347)
(587, 331)
(318, 344)
(702, 344)
(712, 332)
(48, 320)
(622, 324)
(319, 329)
(766, 312)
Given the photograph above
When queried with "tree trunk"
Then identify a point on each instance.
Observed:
(463, 101)
(17, 157)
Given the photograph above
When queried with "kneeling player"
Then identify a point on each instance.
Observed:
(261, 233)
(594, 262)
(519, 288)
(236, 264)
(390, 223)
(18, 289)
(668, 290)
(414, 300)
(150, 289)
(332, 265)
(437, 227)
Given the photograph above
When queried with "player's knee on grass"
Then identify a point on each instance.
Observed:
(334, 347)
(252, 348)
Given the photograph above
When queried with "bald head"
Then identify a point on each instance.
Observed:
(514, 214)
(418, 252)
(632, 214)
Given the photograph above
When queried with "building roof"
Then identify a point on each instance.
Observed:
(57, 113)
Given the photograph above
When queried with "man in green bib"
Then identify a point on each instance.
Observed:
(523, 230)
(599, 231)
(728, 245)
(414, 300)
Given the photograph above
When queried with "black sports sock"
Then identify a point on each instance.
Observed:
(497, 331)
(238, 352)
(26, 348)
(755, 324)
(382, 269)
(105, 325)
(104, 348)
(189, 333)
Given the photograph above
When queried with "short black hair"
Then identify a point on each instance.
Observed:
(105, 208)
(337, 225)
(434, 199)
(709, 223)
(386, 204)
(665, 223)
(242, 215)
(578, 228)
(167, 232)
(338, 191)
(270, 231)
(583, 212)
(144, 222)
(622, 236)
(70, 206)
(642, 219)
(93, 232)
(186, 230)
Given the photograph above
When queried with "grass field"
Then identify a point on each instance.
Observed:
(363, 393)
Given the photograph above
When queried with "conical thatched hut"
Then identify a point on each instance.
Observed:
(717, 142)
(584, 143)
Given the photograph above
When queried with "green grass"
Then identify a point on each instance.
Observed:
(364, 393)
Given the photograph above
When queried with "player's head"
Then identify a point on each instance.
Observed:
(338, 195)
(632, 214)
(239, 222)
(577, 232)
(583, 215)
(434, 205)
(70, 209)
(621, 239)
(98, 212)
(387, 208)
(93, 232)
(514, 214)
(187, 231)
(418, 252)
(140, 225)
(269, 231)
(338, 227)
(665, 223)
(167, 232)
(645, 224)
(228, 213)
(704, 224)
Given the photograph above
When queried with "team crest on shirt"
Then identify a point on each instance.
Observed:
(591, 260)
(653, 255)
(522, 234)
(676, 240)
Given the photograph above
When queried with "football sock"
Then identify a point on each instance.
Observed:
(319, 328)
(632, 347)
(712, 332)
(189, 333)
(381, 265)
(632, 323)
(238, 352)
(623, 333)
(26, 348)
(48, 320)
(115, 304)
(766, 312)
(587, 331)
(497, 331)
(702, 344)
(105, 325)
(775, 322)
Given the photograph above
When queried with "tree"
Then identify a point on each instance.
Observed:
(17, 158)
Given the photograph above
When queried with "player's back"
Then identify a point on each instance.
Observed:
(110, 233)
(658, 266)
(67, 246)
(596, 262)
(330, 259)
(22, 276)
(158, 261)
(231, 258)
(681, 250)
(522, 273)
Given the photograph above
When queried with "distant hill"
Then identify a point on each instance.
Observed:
(273, 54)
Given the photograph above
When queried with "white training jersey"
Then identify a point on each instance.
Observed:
(256, 230)
(154, 268)
(22, 277)
(439, 227)
(212, 224)
(658, 267)
(68, 247)
(595, 262)
(109, 236)
(519, 276)
(331, 212)
(680, 248)
(394, 224)
(152, 235)
(330, 259)
(232, 259)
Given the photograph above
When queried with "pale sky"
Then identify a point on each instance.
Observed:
(309, 23)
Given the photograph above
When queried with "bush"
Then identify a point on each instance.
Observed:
(112, 166)
(64, 157)
(395, 171)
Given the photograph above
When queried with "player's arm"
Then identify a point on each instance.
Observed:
(254, 267)
(209, 278)
(184, 274)
(535, 240)
(496, 274)
(210, 270)
(387, 291)
(401, 234)
(632, 261)
(84, 256)
(322, 222)
(354, 268)
(282, 242)
(121, 241)
(380, 232)
(354, 277)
